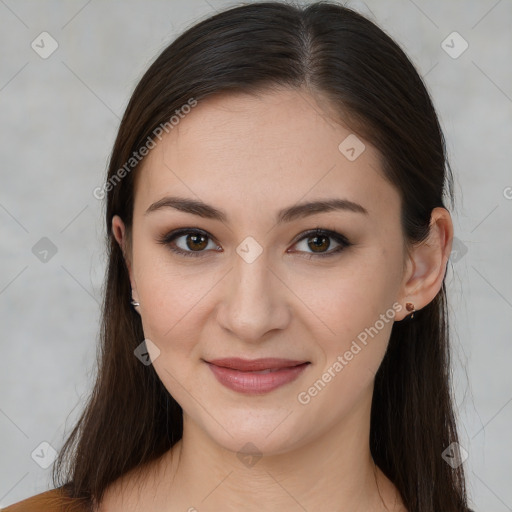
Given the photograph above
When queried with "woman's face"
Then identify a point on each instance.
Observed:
(256, 285)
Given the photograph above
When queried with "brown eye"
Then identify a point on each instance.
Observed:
(196, 242)
(188, 242)
(319, 243)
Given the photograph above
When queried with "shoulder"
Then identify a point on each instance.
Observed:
(53, 500)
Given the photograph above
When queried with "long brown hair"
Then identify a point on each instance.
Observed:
(130, 418)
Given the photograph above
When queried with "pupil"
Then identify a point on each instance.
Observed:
(316, 245)
(195, 239)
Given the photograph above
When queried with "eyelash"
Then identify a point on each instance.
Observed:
(319, 232)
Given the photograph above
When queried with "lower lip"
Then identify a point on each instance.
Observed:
(254, 383)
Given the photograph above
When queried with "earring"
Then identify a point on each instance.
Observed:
(410, 307)
(134, 302)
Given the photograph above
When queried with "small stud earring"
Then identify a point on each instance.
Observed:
(133, 301)
(410, 307)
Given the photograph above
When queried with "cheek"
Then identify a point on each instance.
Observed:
(347, 298)
(352, 316)
(356, 332)
(172, 298)
(359, 314)
(172, 310)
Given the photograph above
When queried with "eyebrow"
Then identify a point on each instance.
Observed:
(288, 214)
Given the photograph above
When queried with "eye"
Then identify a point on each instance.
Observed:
(193, 241)
(317, 240)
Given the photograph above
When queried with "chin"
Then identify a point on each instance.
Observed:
(266, 434)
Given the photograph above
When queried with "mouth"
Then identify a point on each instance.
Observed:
(256, 376)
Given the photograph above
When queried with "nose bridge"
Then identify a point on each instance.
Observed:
(251, 272)
(253, 305)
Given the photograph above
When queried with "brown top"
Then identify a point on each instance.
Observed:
(54, 501)
(48, 501)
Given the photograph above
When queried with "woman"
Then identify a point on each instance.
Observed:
(274, 333)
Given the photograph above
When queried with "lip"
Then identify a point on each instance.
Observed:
(244, 375)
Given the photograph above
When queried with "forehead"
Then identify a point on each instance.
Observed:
(272, 148)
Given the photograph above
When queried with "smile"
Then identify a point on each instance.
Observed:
(257, 376)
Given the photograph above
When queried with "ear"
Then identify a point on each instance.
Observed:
(426, 263)
(119, 231)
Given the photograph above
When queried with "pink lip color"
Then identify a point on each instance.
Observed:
(240, 374)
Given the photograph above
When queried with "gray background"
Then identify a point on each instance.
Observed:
(59, 117)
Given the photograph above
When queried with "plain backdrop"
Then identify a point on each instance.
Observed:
(59, 117)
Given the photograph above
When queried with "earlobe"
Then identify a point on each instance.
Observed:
(427, 263)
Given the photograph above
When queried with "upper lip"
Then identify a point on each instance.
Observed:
(248, 365)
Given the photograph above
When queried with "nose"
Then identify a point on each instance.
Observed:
(254, 300)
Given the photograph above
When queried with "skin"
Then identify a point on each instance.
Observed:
(251, 156)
